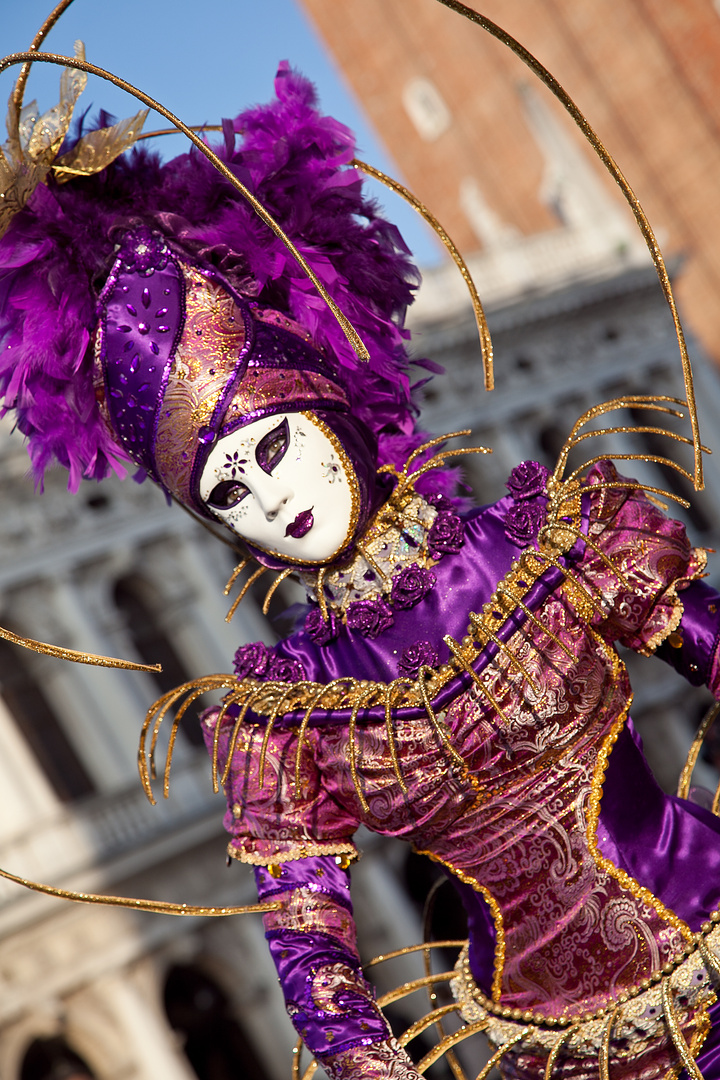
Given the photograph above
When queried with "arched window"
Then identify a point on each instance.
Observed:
(52, 1059)
(214, 1042)
(140, 608)
(31, 710)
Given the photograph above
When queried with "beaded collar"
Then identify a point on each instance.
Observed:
(390, 569)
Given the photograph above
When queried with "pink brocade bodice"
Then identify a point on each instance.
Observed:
(516, 816)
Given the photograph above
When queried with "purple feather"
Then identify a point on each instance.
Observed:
(57, 253)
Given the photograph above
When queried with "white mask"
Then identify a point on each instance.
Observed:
(284, 484)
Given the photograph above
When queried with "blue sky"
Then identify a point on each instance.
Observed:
(200, 66)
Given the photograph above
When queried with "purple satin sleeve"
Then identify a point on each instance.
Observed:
(697, 658)
(320, 873)
(670, 845)
(481, 933)
(327, 998)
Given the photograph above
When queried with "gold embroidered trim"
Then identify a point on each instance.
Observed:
(596, 791)
(678, 974)
(499, 959)
(306, 849)
(670, 594)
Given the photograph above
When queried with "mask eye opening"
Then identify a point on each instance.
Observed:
(226, 494)
(272, 447)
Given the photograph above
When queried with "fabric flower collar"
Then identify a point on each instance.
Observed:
(391, 570)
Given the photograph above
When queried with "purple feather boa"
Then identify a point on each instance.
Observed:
(57, 253)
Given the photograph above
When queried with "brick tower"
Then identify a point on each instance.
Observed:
(482, 143)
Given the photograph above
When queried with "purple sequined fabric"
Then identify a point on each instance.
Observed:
(141, 318)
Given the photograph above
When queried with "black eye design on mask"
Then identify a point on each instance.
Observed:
(226, 494)
(272, 447)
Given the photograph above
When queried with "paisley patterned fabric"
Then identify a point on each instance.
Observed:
(507, 795)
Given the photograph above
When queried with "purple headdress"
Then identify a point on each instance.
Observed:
(56, 257)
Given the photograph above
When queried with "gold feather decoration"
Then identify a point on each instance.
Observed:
(30, 153)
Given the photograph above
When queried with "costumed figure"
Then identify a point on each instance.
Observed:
(456, 681)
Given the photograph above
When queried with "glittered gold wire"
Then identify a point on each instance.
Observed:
(73, 655)
(157, 712)
(426, 1022)
(19, 90)
(486, 348)
(545, 556)
(555, 1051)
(706, 723)
(676, 1034)
(438, 460)
(464, 1033)
(237, 726)
(397, 684)
(428, 673)
(505, 650)
(644, 225)
(243, 592)
(276, 583)
(626, 401)
(568, 527)
(466, 666)
(353, 746)
(535, 621)
(604, 1055)
(314, 702)
(159, 907)
(33, 57)
(237, 570)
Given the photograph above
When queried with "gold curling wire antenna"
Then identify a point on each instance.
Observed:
(159, 907)
(157, 712)
(19, 91)
(31, 57)
(555, 1051)
(271, 591)
(676, 1033)
(73, 655)
(706, 723)
(486, 347)
(429, 445)
(611, 165)
(241, 595)
(237, 571)
(636, 401)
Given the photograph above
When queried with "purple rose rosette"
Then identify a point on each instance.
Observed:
(421, 654)
(251, 661)
(411, 585)
(322, 631)
(527, 479)
(523, 522)
(369, 617)
(284, 669)
(447, 534)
